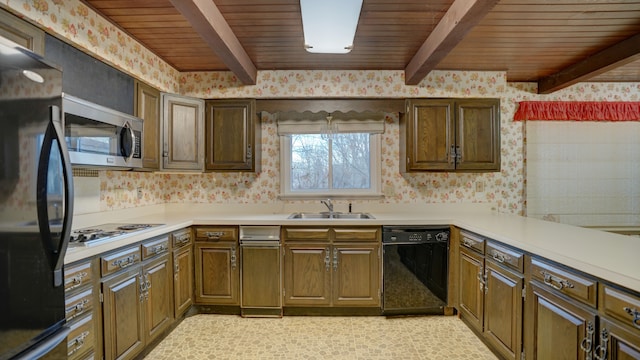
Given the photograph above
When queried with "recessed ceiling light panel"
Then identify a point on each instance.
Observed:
(330, 25)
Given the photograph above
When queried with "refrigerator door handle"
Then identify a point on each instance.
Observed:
(55, 254)
(46, 346)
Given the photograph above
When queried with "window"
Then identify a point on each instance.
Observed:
(340, 164)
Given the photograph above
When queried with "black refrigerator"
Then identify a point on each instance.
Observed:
(36, 207)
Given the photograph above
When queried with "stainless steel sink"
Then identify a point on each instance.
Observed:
(327, 215)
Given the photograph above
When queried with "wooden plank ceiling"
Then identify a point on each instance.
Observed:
(554, 42)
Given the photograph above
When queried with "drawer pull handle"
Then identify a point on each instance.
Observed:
(76, 280)
(587, 343)
(556, 282)
(500, 257)
(158, 249)
(182, 239)
(327, 259)
(77, 343)
(123, 263)
(214, 235)
(601, 350)
(468, 243)
(77, 309)
(233, 258)
(636, 315)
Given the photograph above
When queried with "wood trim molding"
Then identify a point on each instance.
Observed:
(330, 105)
(461, 17)
(207, 20)
(622, 53)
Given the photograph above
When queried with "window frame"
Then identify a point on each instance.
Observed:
(375, 162)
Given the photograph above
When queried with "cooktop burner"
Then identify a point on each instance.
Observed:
(95, 234)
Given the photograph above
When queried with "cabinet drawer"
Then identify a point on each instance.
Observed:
(76, 276)
(78, 305)
(217, 233)
(155, 247)
(506, 256)
(472, 241)
(359, 234)
(621, 305)
(181, 238)
(565, 281)
(81, 338)
(306, 233)
(120, 260)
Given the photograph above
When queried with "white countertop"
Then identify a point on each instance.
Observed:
(612, 257)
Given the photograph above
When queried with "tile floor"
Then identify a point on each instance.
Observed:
(317, 337)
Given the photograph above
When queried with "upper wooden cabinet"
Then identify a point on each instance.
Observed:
(232, 136)
(147, 106)
(182, 133)
(21, 32)
(450, 135)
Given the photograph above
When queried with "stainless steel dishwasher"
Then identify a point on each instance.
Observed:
(260, 273)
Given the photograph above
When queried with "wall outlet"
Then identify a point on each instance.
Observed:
(479, 186)
(139, 193)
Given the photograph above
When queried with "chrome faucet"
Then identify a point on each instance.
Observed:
(329, 206)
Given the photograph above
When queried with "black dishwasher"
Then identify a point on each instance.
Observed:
(415, 269)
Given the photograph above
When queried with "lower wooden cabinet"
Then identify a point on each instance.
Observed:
(490, 293)
(339, 267)
(617, 342)
(182, 280)
(503, 310)
(356, 275)
(471, 289)
(217, 273)
(158, 303)
(123, 314)
(137, 306)
(182, 242)
(557, 328)
(307, 274)
(82, 309)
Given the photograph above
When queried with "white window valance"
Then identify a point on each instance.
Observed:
(316, 122)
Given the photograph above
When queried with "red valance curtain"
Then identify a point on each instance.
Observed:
(579, 110)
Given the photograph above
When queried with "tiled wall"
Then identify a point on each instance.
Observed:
(584, 173)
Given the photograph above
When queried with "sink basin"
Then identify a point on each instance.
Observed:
(327, 215)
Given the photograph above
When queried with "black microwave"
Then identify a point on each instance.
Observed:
(97, 136)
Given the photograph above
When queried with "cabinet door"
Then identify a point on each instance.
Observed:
(307, 274)
(147, 107)
(555, 326)
(158, 296)
(356, 275)
(21, 32)
(182, 280)
(427, 135)
(217, 273)
(123, 315)
(261, 276)
(471, 289)
(503, 310)
(183, 133)
(232, 131)
(622, 342)
(478, 134)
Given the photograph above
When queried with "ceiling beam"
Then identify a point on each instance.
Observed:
(208, 21)
(622, 53)
(461, 17)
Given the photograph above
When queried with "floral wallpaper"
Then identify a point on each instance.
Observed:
(86, 30)
(73, 20)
